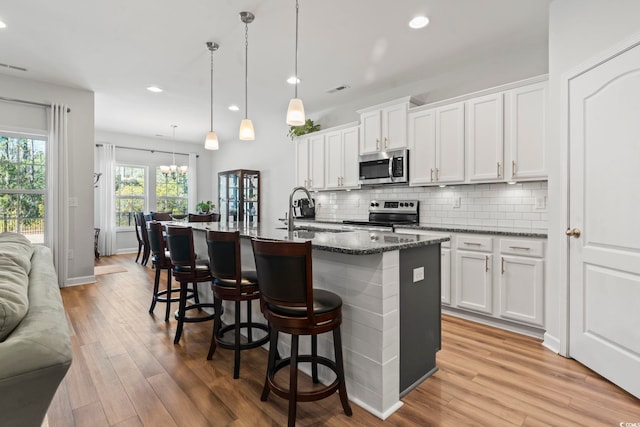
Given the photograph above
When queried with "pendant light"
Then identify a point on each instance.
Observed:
(211, 141)
(246, 126)
(295, 112)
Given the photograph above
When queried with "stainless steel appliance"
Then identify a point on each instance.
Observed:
(384, 214)
(390, 167)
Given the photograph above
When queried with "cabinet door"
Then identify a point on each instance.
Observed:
(370, 130)
(450, 143)
(485, 138)
(522, 289)
(302, 162)
(350, 165)
(333, 159)
(527, 131)
(445, 275)
(473, 281)
(394, 127)
(422, 147)
(316, 162)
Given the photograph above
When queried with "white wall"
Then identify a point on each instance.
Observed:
(81, 141)
(578, 31)
(126, 239)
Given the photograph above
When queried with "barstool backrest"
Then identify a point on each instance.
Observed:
(136, 221)
(212, 217)
(142, 223)
(157, 243)
(224, 255)
(161, 216)
(180, 243)
(284, 272)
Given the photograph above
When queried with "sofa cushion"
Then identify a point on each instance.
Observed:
(15, 265)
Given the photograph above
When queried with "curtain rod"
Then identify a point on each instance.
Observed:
(150, 151)
(20, 101)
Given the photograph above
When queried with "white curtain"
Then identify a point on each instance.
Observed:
(107, 166)
(192, 182)
(57, 234)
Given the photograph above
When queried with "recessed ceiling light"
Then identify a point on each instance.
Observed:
(293, 80)
(234, 108)
(154, 89)
(3, 25)
(419, 22)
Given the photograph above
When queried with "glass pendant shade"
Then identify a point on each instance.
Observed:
(295, 113)
(211, 141)
(246, 130)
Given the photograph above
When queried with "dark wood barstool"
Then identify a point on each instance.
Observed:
(136, 221)
(230, 283)
(212, 217)
(186, 269)
(291, 305)
(161, 260)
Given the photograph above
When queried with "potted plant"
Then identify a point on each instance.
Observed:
(304, 129)
(205, 207)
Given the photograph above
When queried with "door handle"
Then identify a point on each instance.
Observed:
(573, 232)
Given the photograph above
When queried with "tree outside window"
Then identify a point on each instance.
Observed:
(130, 193)
(23, 185)
(171, 192)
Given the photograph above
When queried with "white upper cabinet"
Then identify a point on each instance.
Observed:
(436, 142)
(526, 133)
(450, 142)
(310, 162)
(342, 158)
(485, 138)
(422, 146)
(384, 127)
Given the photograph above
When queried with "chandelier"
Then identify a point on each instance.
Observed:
(173, 170)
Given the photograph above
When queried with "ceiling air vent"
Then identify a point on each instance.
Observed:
(338, 88)
(12, 67)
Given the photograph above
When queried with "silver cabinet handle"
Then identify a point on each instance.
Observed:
(523, 248)
(472, 243)
(377, 143)
(486, 263)
(513, 168)
(502, 264)
(437, 174)
(431, 175)
(386, 142)
(498, 169)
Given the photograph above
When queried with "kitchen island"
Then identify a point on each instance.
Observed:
(390, 288)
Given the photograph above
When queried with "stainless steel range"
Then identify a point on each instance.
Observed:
(384, 214)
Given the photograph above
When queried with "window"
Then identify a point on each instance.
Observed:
(130, 193)
(23, 184)
(171, 192)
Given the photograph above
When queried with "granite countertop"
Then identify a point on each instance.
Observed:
(351, 242)
(499, 231)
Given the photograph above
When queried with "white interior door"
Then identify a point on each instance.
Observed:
(604, 203)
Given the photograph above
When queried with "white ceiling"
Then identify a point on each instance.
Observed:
(116, 48)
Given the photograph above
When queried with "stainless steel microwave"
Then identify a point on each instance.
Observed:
(390, 167)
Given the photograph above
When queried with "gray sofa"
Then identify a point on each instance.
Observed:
(35, 348)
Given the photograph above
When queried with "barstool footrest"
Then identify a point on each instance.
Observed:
(230, 345)
(200, 306)
(304, 396)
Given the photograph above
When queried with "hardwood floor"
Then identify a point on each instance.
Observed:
(127, 372)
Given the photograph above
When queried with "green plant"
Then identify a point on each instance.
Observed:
(205, 207)
(304, 129)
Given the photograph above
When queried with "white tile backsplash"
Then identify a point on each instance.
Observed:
(494, 205)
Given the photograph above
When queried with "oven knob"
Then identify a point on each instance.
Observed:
(376, 204)
(372, 204)
(411, 204)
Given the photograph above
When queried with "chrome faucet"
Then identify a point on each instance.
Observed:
(290, 223)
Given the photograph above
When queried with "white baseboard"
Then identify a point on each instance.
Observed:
(551, 342)
(496, 323)
(83, 280)
(382, 415)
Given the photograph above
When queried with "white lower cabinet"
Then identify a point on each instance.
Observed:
(522, 281)
(496, 278)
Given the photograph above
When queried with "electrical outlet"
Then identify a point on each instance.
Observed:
(418, 274)
(456, 202)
